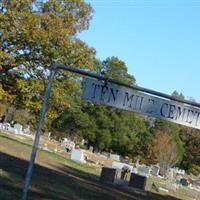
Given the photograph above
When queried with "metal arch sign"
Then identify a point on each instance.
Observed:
(131, 100)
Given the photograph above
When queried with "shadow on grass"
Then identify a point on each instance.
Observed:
(61, 183)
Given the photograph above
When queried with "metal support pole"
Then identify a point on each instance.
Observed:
(37, 135)
(135, 87)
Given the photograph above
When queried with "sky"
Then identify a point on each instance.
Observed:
(158, 40)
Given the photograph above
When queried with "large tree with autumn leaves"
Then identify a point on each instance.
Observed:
(33, 35)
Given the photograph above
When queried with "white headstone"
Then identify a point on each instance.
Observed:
(120, 165)
(27, 130)
(115, 157)
(64, 142)
(143, 170)
(49, 135)
(12, 130)
(78, 155)
(19, 128)
(68, 144)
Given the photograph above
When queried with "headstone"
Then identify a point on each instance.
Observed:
(105, 154)
(181, 171)
(170, 174)
(115, 157)
(68, 144)
(124, 172)
(78, 155)
(137, 164)
(176, 170)
(64, 142)
(6, 126)
(155, 170)
(184, 182)
(138, 181)
(82, 142)
(134, 170)
(91, 148)
(27, 130)
(143, 170)
(49, 135)
(108, 174)
(19, 128)
(120, 165)
(12, 130)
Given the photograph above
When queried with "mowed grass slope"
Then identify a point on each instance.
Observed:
(55, 177)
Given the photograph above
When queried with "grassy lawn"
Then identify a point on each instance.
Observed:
(56, 177)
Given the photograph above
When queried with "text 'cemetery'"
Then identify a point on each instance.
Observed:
(132, 100)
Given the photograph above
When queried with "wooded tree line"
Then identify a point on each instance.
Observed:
(33, 35)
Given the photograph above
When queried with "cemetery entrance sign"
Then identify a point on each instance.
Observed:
(128, 99)
(120, 95)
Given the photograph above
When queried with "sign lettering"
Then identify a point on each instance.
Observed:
(145, 104)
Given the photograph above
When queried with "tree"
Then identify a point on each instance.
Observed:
(33, 35)
(36, 33)
(178, 95)
(166, 146)
(74, 122)
(121, 127)
(191, 141)
(115, 68)
(163, 150)
(173, 130)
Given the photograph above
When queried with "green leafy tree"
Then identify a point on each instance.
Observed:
(178, 95)
(33, 35)
(115, 68)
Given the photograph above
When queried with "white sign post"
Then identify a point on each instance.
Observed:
(140, 102)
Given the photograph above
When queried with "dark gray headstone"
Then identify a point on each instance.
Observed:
(138, 181)
(108, 174)
(184, 182)
(155, 170)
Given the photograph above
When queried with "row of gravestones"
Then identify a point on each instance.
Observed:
(139, 169)
(109, 175)
(147, 171)
(17, 128)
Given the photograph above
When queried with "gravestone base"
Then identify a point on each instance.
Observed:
(108, 175)
(137, 181)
